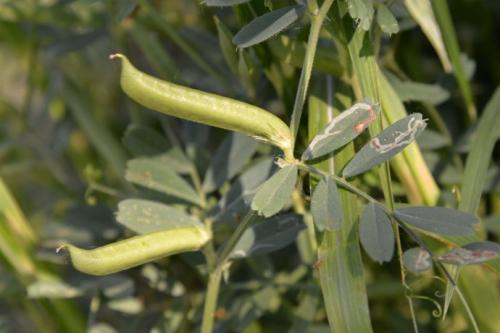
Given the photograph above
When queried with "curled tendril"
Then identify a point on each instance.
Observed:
(438, 310)
(439, 294)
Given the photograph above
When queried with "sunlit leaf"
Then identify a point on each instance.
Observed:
(342, 130)
(267, 25)
(326, 208)
(275, 193)
(362, 12)
(386, 20)
(388, 143)
(417, 260)
(439, 220)
(143, 216)
(155, 175)
(53, 289)
(376, 234)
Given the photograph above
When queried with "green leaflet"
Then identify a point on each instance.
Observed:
(155, 175)
(472, 254)
(326, 207)
(362, 12)
(275, 193)
(417, 260)
(342, 130)
(143, 216)
(386, 21)
(388, 143)
(439, 220)
(267, 25)
(376, 234)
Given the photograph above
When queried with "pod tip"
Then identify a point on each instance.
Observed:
(61, 247)
(116, 55)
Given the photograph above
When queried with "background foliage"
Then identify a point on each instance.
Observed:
(72, 146)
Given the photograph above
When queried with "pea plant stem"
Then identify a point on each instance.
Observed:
(317, 18)
(217, 269)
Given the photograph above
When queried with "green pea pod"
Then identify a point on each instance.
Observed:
(203, 107)
(137, 250)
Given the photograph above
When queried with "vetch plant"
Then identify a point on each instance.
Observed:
(319, 186)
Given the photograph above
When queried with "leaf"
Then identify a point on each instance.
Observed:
(126, 305)
(386, 21)
(275, 193)
(439, 220)
(417, 260)
(224, 3)
(144, 141)
(410, 91)
(362, 12)
(229, 159)
(472, 254)
(226, 45)
(268, 236)
(487, 133)
(236, 201)
(143, 216)
(325, 205)
(267, 25)
(53, 289)
(376, 233)
(388, 143)
(155, 175)
(341, 130)
(422, 12)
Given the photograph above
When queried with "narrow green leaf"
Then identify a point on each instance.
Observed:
(267, 25)
(376, 234)
(155, 175)
(143, 216)
(125, 8)
(229, 159)
(487, 133)
(417, 260)
(224, 3)
(362, 12)
(226, 45)
(342, 130)
(268, 236)
(326, 208)
(443, 17)
(439, 220)
(275, 193)
(386, 21)
(388, 143)
(472, 254)
(422, 13)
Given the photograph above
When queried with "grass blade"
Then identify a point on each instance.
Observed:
(443, 17)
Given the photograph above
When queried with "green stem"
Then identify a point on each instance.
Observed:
(217, 268)
(210, 306)
(305, 75)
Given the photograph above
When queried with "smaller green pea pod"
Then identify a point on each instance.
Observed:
(135, 251)
(203, 107)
